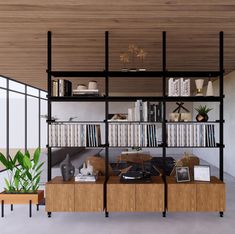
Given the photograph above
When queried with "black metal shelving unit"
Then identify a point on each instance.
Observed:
(163, 74)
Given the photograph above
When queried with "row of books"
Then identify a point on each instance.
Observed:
(74, 135)
(178, 87)
(191, 135)
(144, 111)
(61, 88)
(133, 135)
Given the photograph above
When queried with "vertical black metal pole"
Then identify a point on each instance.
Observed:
(30, 208)
(221, 128)
(25, 113)
(106, 118)
(49, 102)
(7, 120)
(2, 208)
(11, 207)
(164, 114)
(39, 119)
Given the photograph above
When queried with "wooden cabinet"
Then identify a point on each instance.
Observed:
(73, 196)
(135, 197)
(195, 196)
(211, 196)
(89, 197)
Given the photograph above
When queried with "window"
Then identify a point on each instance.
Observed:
(23, 110)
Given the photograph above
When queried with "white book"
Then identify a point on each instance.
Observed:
(198, 135)
(177, 87)
(110, 135)
(171, 87)
(85, 143)
(50, 136)
(145, 111)
(75, 135)
(119, 135)
(72, 135)
(194, 135)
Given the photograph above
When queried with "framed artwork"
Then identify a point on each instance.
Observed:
(202, 173)
(182, 174)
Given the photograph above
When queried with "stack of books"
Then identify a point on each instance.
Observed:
(85, 178)
(74, 135)
(191, 135)
(137, 135)
(178, 87)
(86, 92)
(61, 88)
(144, 111)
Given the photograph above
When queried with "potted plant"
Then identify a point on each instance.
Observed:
(202, 115)
(21, 186)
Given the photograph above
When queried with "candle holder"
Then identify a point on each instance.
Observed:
(199, 85)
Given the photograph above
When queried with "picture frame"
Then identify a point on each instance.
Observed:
(202, 173)
(182, 174)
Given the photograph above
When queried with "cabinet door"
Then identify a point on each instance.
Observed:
(89, 197)
(60, 197)
(149, 197)
(210, 197)
(121, 197)
(181, 197)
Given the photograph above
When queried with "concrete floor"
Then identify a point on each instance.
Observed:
(138, 223)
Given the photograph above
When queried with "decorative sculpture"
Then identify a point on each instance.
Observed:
(141, 55)
(124, 58)
(67, 169)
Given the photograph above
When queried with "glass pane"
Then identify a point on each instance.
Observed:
(3, 82)
(16, 122)
(32, 123)
(16, 86)
(32, 91)
(43, 94)
(2, 124)
(43, 124)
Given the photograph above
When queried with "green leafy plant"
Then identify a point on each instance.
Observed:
(203, 110)
(23, 172)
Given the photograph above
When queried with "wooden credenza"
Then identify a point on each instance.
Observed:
(146, 197)
(196, 196)
(71, 196)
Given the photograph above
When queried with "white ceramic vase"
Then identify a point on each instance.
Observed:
(209, 91)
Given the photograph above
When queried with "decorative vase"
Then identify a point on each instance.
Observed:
(67, 169)
(92, 85)
(202, 118)
(199, 85)
(209, 91)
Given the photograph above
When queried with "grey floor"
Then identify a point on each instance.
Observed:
(198, 223)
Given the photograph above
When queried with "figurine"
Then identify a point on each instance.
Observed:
(124, 57)
(141, 55)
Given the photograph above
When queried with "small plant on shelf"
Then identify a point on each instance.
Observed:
(202, 115)
(23, 172)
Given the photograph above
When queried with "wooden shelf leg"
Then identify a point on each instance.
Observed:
(164, 214)
(37, 207)
(30, 208)
(106, 214)
(2, 208)
(49, 214)
(221, 214)
(11, 207)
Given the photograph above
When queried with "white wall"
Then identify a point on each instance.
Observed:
(212, 156)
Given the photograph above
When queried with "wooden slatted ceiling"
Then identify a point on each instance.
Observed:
(78, 36)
